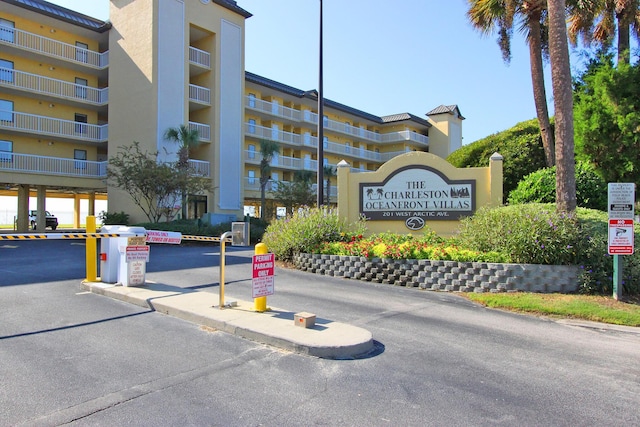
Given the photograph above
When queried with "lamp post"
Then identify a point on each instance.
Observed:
(320, 184)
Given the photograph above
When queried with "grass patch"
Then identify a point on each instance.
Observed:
(586, 307)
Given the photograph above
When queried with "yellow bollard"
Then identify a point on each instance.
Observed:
(260, 303)
(91, 251)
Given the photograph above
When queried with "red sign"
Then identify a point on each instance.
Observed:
(621, 237)
(263, 272)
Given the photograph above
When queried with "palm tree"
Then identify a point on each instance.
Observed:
(490, 16)
(563, 105)
(267, 150)
(596, 21)
(187, 138)
(329, 172)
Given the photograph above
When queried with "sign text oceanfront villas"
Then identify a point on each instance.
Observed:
(418, 189)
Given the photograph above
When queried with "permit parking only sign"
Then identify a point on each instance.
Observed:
(621, 202)
(263, 272)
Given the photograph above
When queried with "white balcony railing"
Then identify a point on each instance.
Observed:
(199, 94)
(200, 168)
(277, 135)
(204, 131)
(273, 108)
(43, 125)
(293, 114)
(53, 48)
(284, 162)
(53, 87)
(29, 163)
(199, 57)
(405, 135)
(390, 155)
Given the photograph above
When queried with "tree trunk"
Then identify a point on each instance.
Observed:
(624, 54)
(563, 105)
(539, 92)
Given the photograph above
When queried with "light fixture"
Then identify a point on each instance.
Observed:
(51, 105)
(50, 143)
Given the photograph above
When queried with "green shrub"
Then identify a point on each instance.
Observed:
(113, 218)
(537, 234)
(521, 147)
(540, 187)
(306, 231)
(531, 233)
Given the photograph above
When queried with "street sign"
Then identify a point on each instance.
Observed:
(263, 271)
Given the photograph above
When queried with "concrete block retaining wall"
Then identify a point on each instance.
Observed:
(445, 275)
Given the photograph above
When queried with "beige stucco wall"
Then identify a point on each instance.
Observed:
(488, 190)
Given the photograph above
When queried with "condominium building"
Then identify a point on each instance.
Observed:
(74, 89)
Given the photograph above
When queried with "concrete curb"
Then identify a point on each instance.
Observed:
(327, 339)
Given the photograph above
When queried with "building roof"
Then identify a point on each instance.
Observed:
(446, 109)
(404, 116)
(313, 94)
(233, 6)
(62, 13)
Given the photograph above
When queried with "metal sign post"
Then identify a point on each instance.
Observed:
(621, 197)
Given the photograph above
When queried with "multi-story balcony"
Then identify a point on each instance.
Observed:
(44, 165)
(274, 109)
(199, 94)
(52, 88)
(52, 127)
(204, 131)
(14, 38)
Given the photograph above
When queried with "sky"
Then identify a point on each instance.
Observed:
(386, 57)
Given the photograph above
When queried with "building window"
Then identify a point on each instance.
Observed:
(81, 123)
(6, 71)
(6, 148)
(7, 31)
(6, 111)
(81, 159)
(307, 138)
(252, 177)
(252, 151)
(347, 147)
(325, 141)
(81, 87)
(325, 162)
(82, 52)
(325, 121)
(252, 100)
(252, 126)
